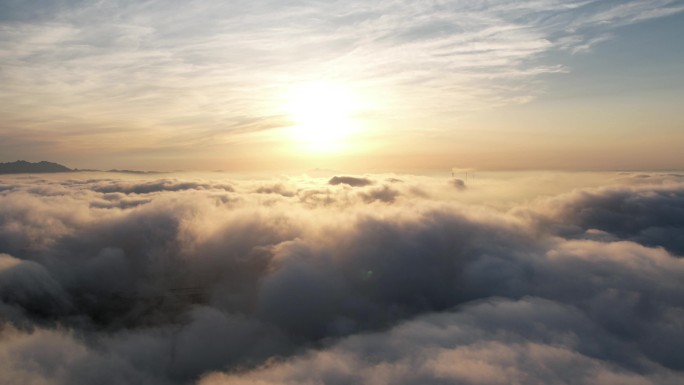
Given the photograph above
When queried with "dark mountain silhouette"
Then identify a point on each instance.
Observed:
(21, 167)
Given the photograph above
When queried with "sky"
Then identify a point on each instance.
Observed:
(389, 85)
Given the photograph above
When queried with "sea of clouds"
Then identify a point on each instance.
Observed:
(531, 278)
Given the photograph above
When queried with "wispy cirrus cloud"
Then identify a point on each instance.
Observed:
(213, 70)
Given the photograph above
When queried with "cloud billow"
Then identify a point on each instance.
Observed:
(224, 285)
(653, 216)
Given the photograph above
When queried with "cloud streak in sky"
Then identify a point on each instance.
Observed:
(194, 73)
(138, 279)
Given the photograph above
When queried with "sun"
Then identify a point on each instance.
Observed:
(323, 115)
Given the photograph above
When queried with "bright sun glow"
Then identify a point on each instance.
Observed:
(323, 114)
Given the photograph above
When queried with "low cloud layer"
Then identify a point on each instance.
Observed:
(136, 279)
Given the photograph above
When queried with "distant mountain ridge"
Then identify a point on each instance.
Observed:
(24, 167)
